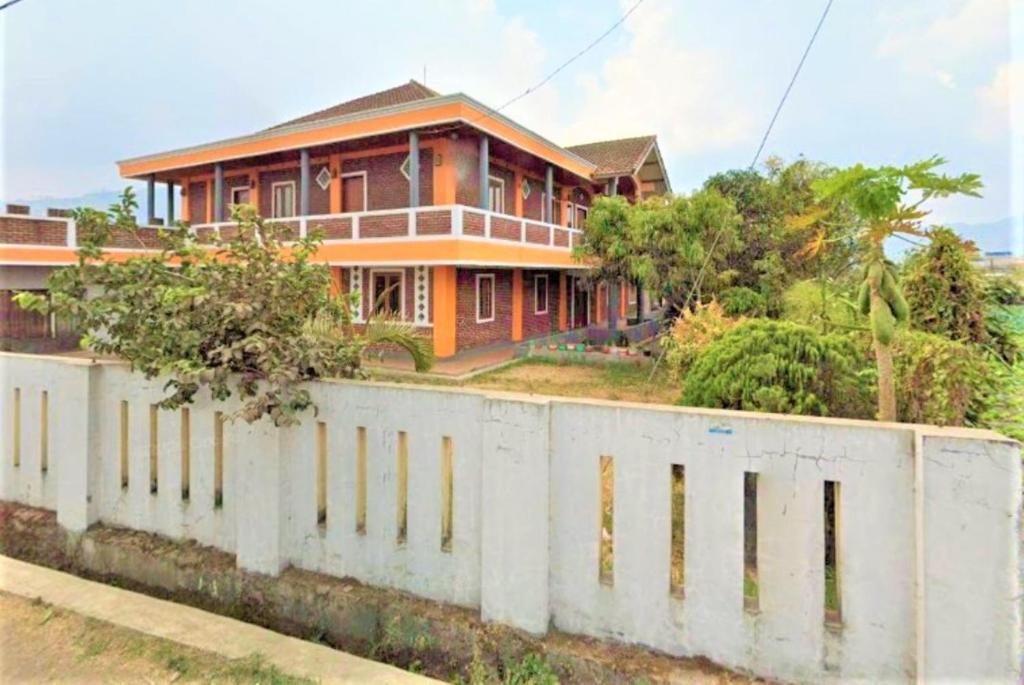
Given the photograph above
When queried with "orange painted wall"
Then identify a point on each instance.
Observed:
(444, 284)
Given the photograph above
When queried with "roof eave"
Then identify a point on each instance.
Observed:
(456, 98)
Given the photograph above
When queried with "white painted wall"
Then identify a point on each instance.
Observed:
(931, 580)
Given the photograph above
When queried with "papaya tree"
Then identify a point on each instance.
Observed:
(889, 201)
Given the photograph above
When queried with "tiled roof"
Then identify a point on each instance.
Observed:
(615, 157)
(399, 95)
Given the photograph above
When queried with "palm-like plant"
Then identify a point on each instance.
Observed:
(877, 196)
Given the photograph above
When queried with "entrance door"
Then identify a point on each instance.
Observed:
(353, 193)
(580, 305)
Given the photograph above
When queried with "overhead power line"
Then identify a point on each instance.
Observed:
(7, 4)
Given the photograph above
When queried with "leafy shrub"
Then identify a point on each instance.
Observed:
(802, 303)
(741, 301)
(944, 289)
(938, 380)
(778, 366)
(691, 332)
(1004, 290)
(248, 315)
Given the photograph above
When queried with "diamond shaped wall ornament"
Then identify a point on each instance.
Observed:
(323, 179)
(406, 166)
(526, 188)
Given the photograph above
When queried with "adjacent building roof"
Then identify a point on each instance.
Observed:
(620, 157)
(399, 95)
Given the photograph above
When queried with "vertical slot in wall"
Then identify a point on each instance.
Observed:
(361, 480)
(447, 494)
(218, 459)
(402, 496)
(833, 558)
(124, 444)
(677, 574)
(154, 450)
(186, 454)
(606, 522)
(16, 428)
(44, 431)
(751, 590)
(321, 473)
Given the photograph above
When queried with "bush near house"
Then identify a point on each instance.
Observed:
(691, 332)
(777, 366)
(244, 314)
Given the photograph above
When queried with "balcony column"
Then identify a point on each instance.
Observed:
(304, 182)
(150, 199)
(485, 172)
(170, 202)
(549, 194)
(414, 169)
(218, 192)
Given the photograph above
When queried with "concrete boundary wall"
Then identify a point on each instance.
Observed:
(929, 541)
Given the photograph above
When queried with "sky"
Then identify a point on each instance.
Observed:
(89, 82)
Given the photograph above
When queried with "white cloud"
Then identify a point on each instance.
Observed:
(994, 101)
(941, 46)
(656, 85)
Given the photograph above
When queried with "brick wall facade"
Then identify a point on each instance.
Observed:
(535, 325)
(319, 199)
(197, 203)
(32, 231)
(469, 333)
(386, 187)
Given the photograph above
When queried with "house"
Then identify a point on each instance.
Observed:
(434, 207)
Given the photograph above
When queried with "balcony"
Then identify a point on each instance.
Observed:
(455, 234)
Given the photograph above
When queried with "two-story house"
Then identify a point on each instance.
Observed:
(464, 218)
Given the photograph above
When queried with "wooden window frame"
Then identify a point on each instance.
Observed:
(274, 213)
(401, 289)
(494, 297)
(366, 189)
(235, 189)
(501, 182)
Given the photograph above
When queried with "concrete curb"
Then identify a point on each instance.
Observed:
(195, 628)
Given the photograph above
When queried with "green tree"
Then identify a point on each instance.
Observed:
(662, 243)
(250, 314)
(878, 197)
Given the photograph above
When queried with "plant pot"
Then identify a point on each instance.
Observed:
(552, 347)
(580, 347)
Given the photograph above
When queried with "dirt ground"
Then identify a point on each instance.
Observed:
(43, 644)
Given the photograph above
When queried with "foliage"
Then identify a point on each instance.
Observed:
(777, 366)
(939, 381)
(877, 197)
(1003, 408)
(945, 291)
(742, 301)
(246, 314)
(691, 332)
(820, 304)
(1002, 289)
(662, 242)
(532, 669)
(773, 252)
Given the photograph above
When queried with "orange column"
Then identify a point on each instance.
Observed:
(563, 302)
(517, 305)
(254, 190)
(444, 310)
(600, 313)
(334, 165)
(336, 275)
(566, 207)
(623, 297)
(519, 193)
(186, 211)
(209, 202)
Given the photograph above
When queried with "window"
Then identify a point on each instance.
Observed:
(484, 298)
(388, 293)
(540, 294)
(284, 199)
(496, 188)
(240, 195)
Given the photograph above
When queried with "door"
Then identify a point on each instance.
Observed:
(580, 305)
(353, 193)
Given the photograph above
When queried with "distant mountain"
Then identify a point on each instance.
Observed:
(101, 199)
(992, 237)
